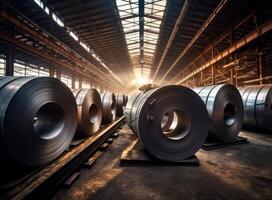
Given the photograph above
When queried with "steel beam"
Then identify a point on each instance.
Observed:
(173, 35)
(51, 43)
(220, 39)
(266, 27)
(46, 56)
(214, 14)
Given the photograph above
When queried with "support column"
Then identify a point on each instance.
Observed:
(51, 71)
(201, 78)
(232, 76)
(213, 70)
(236, 80)
(80, 82)
(58, 72)
(10, 60)
(73, 81)
(261, 67)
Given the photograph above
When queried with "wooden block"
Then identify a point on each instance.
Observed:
(90, 163)
(115, 135)
(104, 147)
(69, 182)
(110, 141)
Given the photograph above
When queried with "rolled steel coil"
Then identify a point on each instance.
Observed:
(225, 108)
(121, 102)
(188, 131)
(108, 107)
(89, 108)
(258, 107)
(38, 119)
(130, 107)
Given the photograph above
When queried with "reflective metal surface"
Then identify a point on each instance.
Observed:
(258, 107)
(89, 111)
(132, 104)
(108, 107)
(225, 108)
(121, 102)
(146, 112)
(37, 119)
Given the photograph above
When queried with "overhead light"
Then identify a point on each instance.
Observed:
(141, 80)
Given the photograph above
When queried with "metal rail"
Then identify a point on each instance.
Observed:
(42, 184)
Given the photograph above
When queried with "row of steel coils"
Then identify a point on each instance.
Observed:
(173, 122)
(40, 116)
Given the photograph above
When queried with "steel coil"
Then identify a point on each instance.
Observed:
(121, 102)
(89, 108)
(37, 119)
(258, 107)
(128, 109)
(225, 108)
(108, 107)
(145, 112)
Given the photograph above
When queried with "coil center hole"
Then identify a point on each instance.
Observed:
(229, 114)
(179, 127)
(93, 113)
(48, 121)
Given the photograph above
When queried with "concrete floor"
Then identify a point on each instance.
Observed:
(237, 172)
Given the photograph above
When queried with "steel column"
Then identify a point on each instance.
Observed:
(10, 60)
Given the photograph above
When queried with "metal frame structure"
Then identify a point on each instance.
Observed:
(112, 43)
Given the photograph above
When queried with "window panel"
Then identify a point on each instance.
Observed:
(2, 65)
(67, 79)
(86, 84)
(77, 84)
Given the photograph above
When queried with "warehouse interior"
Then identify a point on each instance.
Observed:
(135, 99)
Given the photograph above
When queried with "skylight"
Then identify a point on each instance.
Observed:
(73, 35)
(129, 15)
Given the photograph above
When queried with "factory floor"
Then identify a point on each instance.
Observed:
(236, 172)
